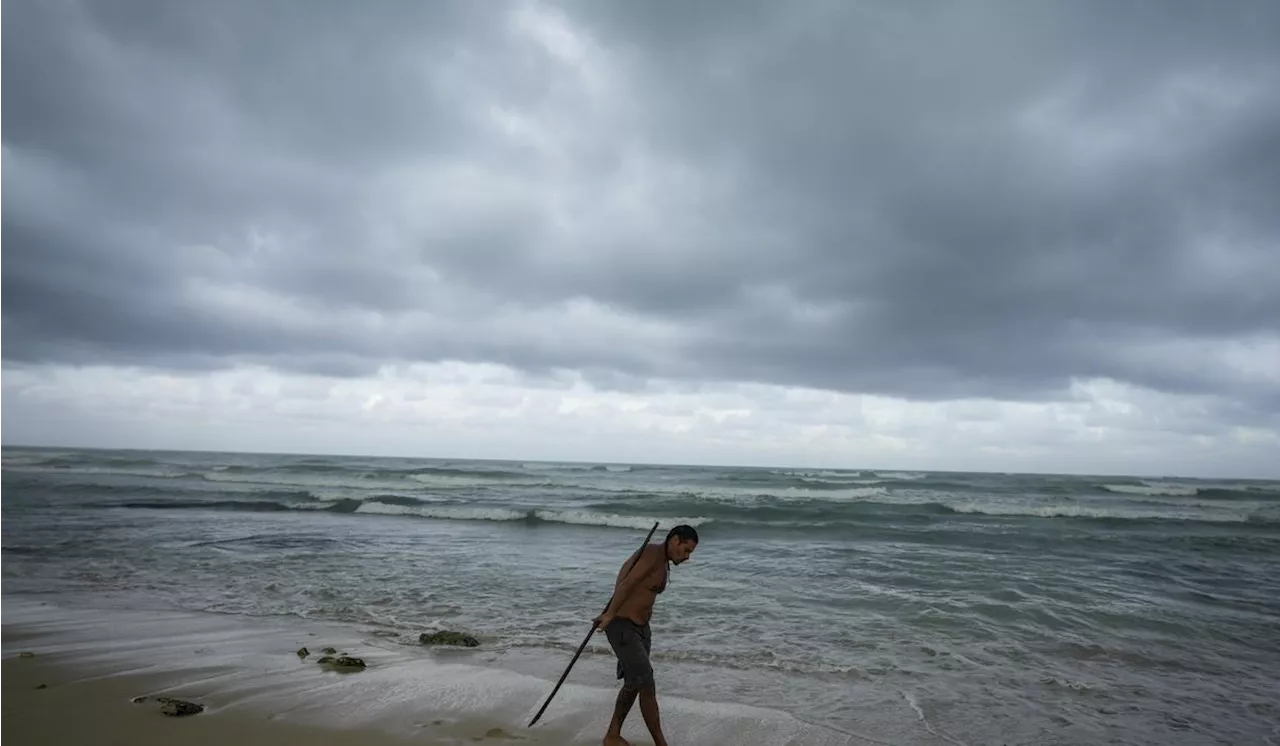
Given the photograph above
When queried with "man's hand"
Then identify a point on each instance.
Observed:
(602, 621)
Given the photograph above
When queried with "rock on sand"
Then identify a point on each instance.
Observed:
(173, 707)
(448, 638)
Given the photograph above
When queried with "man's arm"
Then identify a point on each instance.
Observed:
(627, 584)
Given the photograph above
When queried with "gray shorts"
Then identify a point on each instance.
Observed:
(630, 642)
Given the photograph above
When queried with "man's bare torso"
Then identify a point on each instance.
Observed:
(638, 607)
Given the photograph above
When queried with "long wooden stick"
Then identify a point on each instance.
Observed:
(591, 632)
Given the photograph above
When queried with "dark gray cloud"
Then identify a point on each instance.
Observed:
(927, 201)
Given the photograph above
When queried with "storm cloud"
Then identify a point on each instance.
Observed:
(926, 201)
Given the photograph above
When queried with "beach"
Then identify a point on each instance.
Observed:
(86, 669)
(57, 701)
(822, 607)
(84, 673)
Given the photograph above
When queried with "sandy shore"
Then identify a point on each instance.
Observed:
(72, 709)
(70, 679)
(255, 689)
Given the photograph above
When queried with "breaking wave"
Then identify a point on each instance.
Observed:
(624, 496)
(1173, 489)
(815, 514)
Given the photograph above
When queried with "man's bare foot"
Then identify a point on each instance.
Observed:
(616, 741)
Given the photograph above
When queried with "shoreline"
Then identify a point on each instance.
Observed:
(60, 686)
(256, 689)
(70, 708)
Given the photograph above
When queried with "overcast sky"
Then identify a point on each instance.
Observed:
(984, 235)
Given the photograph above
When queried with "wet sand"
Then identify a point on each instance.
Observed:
(79, 682)
(73, 709)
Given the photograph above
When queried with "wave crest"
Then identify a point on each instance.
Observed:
(535, 515)
(1176, 489)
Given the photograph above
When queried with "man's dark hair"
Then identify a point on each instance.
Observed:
(683, 533)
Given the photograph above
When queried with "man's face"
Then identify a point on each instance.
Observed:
(681, 549)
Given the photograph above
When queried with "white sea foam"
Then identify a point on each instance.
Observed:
(153, 472)
(855, 480)
(613, 520)
(1097, 511)
(575, 517)
(454, 481)
(899, 475)
(1152, 489)
(755, 495)
(855, 493)
(826, 475)
(468, 513)
(315, 505)
(551, 466)
(297, 479)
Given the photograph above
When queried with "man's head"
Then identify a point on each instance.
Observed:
(681, 541)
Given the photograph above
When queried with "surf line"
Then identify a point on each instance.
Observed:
(591, 632)
(914, 705)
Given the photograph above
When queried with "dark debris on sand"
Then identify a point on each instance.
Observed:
(173, 707)
(448, 638)
(342, 662)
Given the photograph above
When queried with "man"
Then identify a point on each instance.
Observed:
(626, 625)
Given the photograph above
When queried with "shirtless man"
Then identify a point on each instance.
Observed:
(626, 624)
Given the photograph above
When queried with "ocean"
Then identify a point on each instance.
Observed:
(880, 606)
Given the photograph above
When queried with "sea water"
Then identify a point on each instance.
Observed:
(885, 606)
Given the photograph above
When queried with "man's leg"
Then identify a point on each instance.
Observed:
(648, 692)
(625, 643)
(626, 698)
(649, 709)
(631, 644)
